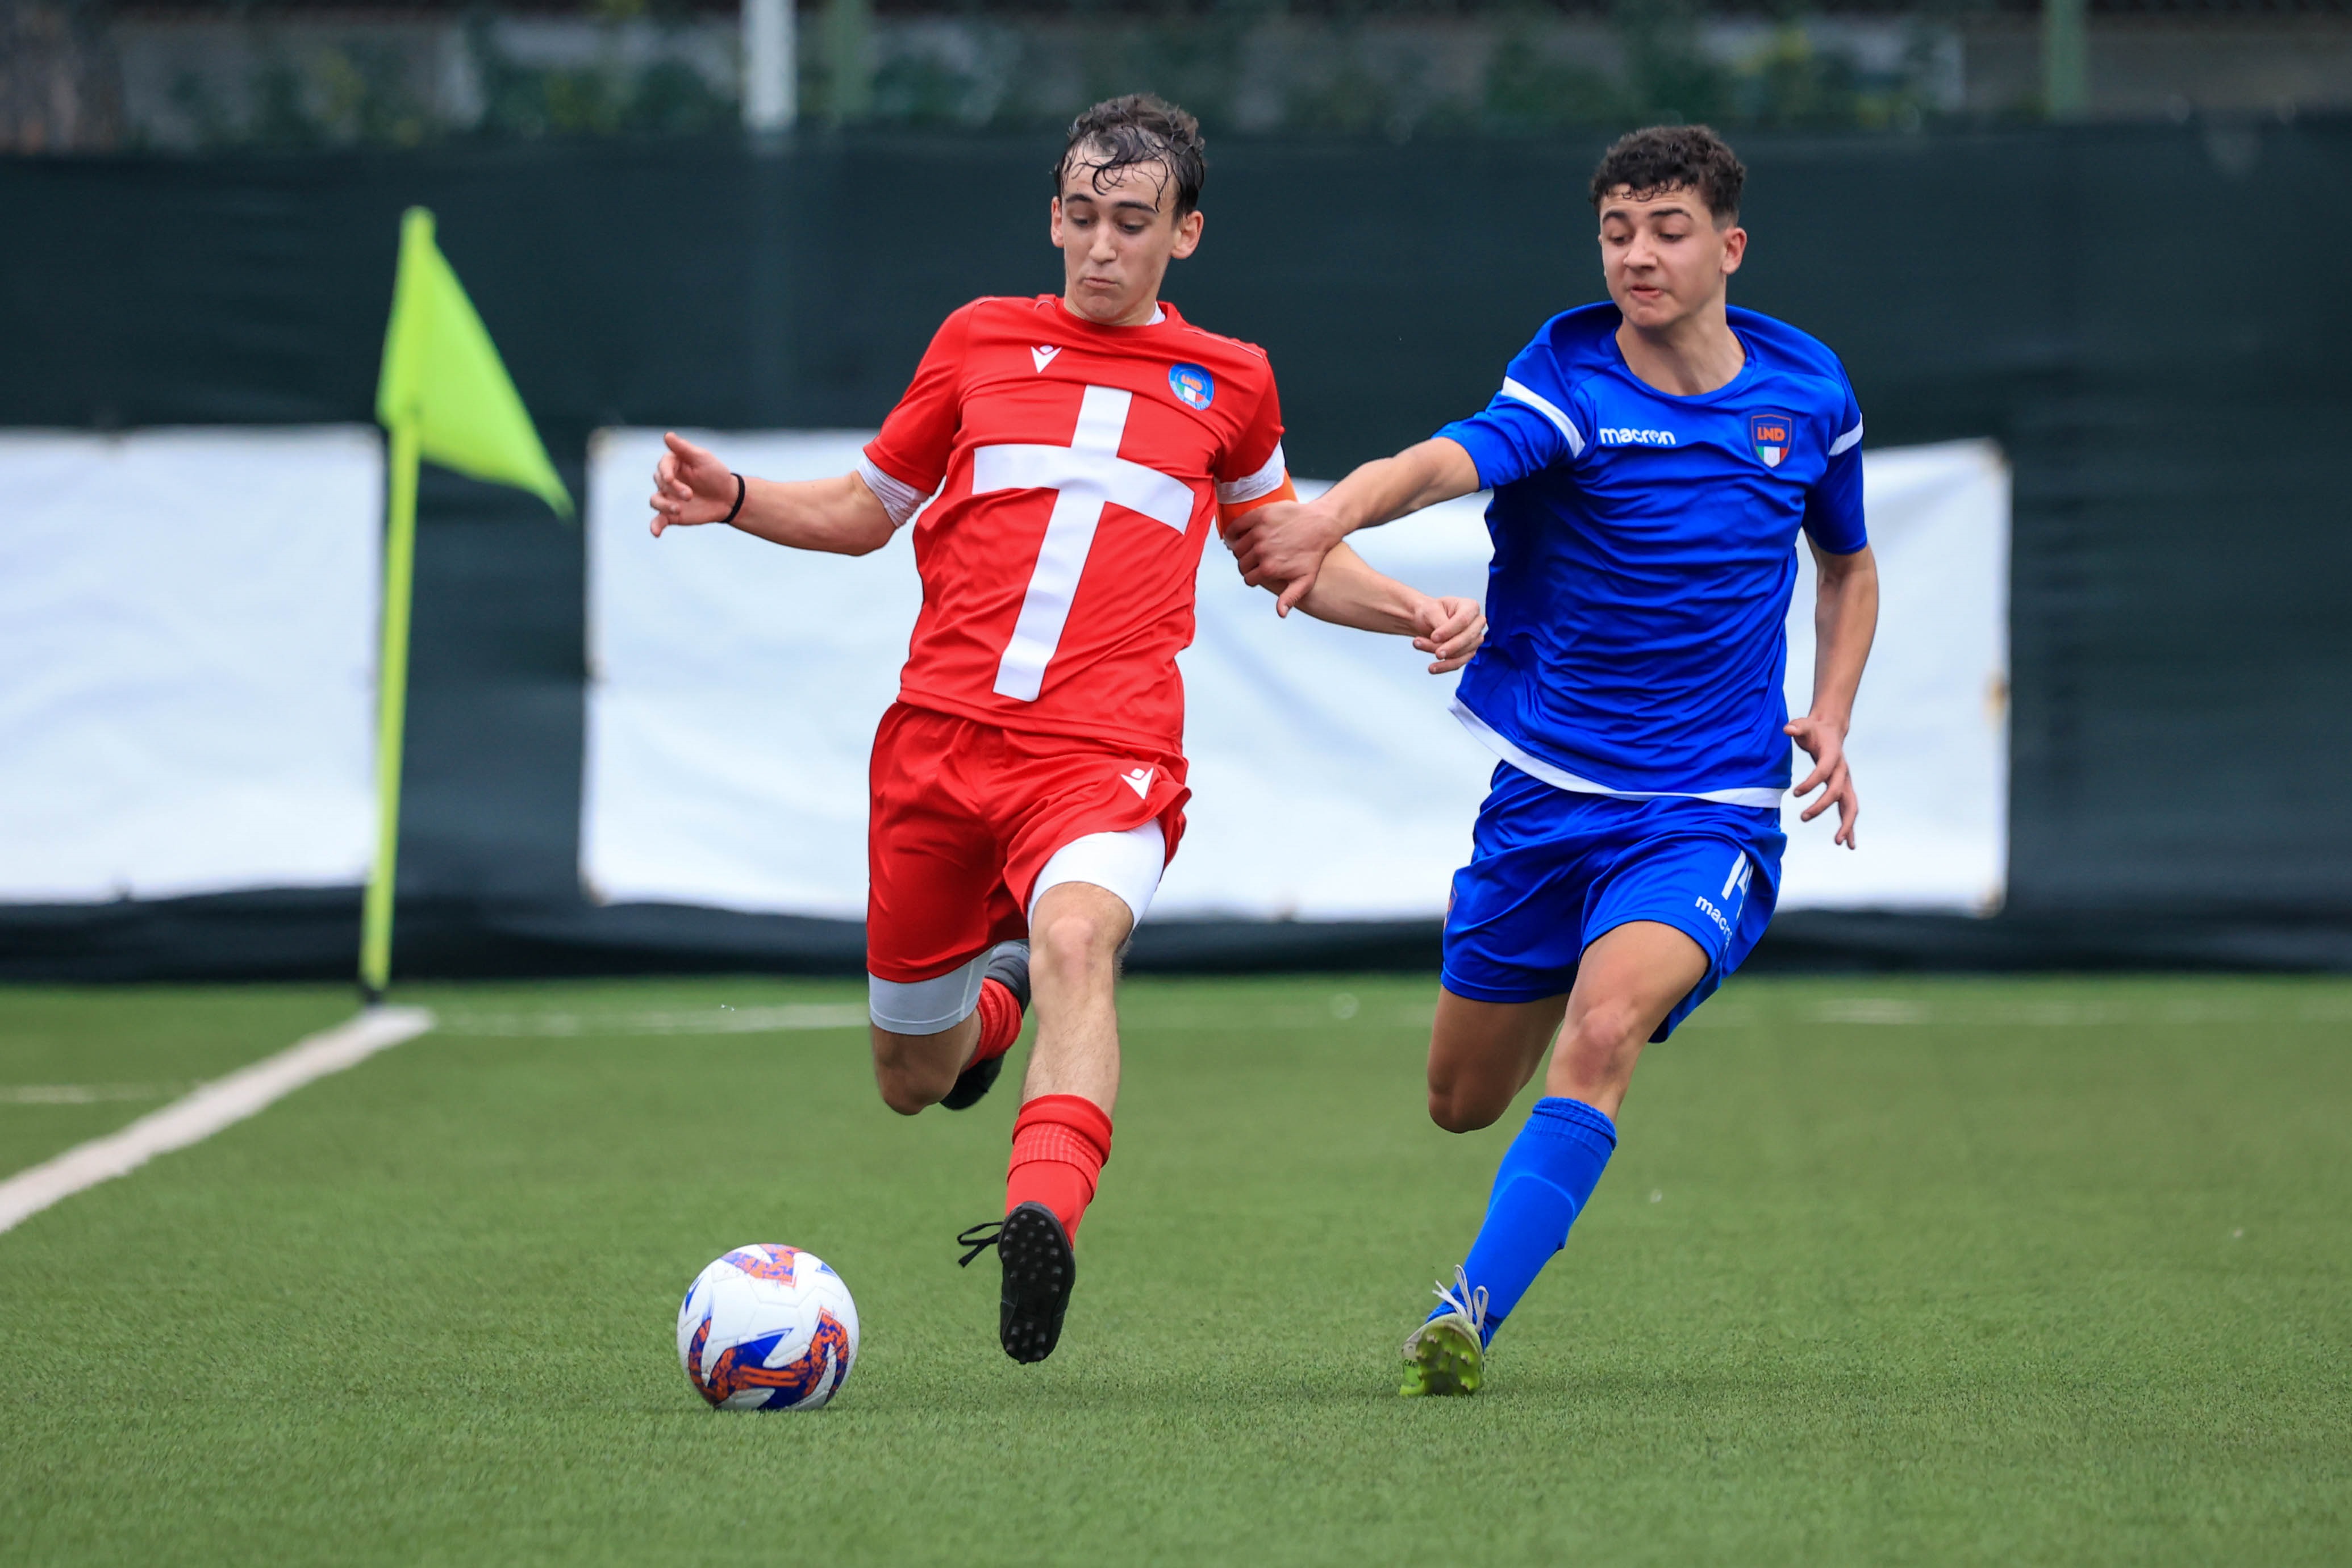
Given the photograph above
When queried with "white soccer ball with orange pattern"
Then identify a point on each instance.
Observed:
(768, 1328)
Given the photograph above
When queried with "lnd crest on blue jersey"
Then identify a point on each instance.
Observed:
(1192, 384)
(1772, 434)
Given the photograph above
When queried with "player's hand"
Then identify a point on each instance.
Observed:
(1824, 742)
(1452, 630)
(691, 486)
(1281, 545)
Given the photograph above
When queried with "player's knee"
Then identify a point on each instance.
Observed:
(1075, 941)
(1605, 1032)
(907, 1086)
(1460, 1103)
(904, 1095)
(1619, 1020)
(1460, 1112)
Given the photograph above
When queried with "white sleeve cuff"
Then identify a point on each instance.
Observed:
(1264, 482)
(901, 500)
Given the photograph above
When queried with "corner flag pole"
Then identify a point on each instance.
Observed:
(444, 396)
(391, 713)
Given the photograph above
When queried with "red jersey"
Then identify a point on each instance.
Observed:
(1079, 471)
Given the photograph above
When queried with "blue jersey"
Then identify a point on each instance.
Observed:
(1644, 550)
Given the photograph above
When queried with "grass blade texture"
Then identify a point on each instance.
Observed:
(1969, 1271)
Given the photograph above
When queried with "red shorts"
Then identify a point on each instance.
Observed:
(965, 815)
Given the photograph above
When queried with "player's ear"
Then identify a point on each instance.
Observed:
(1735, 249)
(1188, 233)
(1054, 222)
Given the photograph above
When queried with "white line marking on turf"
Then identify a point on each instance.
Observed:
(2059, 1013)
(702, 1021)
(197, 1116)
(85, 1093)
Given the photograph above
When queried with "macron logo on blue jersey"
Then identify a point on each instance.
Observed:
(1622, 435)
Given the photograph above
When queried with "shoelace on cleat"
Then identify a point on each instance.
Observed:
(982, 1237)
(1471, 1304)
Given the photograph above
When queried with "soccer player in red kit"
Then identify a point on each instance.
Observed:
(1029, 782)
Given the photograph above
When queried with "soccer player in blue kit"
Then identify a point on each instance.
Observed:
(1652, 461)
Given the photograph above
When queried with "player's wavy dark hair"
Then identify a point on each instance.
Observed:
(1664, 157)
(1130, 131)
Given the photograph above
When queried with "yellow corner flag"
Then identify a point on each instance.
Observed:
(443, 378)
(444, 395)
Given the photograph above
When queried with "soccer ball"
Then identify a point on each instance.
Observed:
(767, 1328)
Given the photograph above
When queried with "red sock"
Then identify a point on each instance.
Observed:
(1000, 1022)
(1060, 1142)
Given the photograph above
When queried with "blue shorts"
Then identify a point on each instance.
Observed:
(1552, 871)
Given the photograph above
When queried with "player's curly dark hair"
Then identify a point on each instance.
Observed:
(1139, 127)
(1664, 157)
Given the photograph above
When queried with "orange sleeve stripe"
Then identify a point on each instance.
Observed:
(1283, 491)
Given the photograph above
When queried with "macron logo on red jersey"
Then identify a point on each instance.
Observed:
(1044, 356)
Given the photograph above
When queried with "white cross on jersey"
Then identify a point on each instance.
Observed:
(1087, 475)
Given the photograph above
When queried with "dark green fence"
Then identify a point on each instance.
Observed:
(2150, 319)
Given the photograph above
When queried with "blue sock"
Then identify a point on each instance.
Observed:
(1547, 1178)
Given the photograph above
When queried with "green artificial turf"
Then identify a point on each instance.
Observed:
(1976, 1271)
(75, 1064)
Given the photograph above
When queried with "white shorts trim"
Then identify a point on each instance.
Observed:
(925, 1007)
(1126, 864)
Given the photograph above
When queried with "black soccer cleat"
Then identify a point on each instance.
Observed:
(1008, 965)
(1039, 1271)
(972, 1084)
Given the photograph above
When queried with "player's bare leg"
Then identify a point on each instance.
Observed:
(1074, 936)
(1481, 1055)
(1629, 981)
(1063, 1134)
(916, 1070)
(956, 1066)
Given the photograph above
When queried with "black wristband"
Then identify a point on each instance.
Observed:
(735, 510)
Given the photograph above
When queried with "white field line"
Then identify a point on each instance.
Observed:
(198, 1115)
(86, 1093)
(2057, 1014)
(698, 1021)
(556, 1026)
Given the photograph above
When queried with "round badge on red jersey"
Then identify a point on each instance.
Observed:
(1193, 384)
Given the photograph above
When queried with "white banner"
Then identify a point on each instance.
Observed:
(736, 687)
(1931, 741)
(187, 630)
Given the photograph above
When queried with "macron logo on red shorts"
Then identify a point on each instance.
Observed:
(1139, 781)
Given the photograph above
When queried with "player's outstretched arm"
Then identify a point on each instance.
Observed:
(1284, 544)
(1348, 592)
(1845, 620)
(692, 487)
